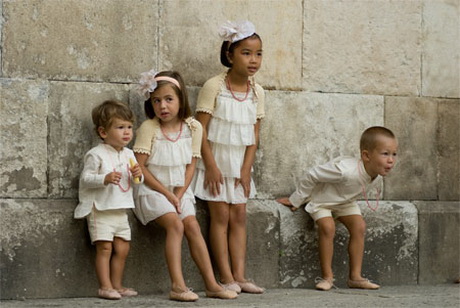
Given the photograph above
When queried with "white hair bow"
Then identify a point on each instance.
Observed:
(236, 31)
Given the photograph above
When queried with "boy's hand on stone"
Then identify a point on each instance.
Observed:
(285, 201)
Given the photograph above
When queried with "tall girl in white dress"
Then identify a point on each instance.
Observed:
(230, 107)
(167, 147)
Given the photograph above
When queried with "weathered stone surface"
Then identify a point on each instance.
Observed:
(439, 242)
(71, 130)
(370, 47)
(390, 255)
(449, 150)
(49, 254)
(414, 122)
(23, 109)
(79, 40)
(441, 48)
(197, 32)
(304, 129)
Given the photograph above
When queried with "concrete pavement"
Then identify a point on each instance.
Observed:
(446, 295)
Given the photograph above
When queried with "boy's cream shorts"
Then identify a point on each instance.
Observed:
(105, 225)
(336, 211)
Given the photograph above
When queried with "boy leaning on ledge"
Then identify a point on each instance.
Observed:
(331, 191)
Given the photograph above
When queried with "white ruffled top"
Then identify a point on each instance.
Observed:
(231, 130)
(168, 160)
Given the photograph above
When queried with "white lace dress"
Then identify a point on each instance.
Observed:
(230, 131)
(167, 162)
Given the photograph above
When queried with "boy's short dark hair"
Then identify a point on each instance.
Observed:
(368, 139)
(104, 114)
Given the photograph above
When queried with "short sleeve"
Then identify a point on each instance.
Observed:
(197, 136)
(206, 101)
(145, 135)
(260, 102)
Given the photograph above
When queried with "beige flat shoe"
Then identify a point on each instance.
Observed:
(324, 284)
(108, 294)
(250, 287)
(222, 294)
(362, 284)
(185, 296)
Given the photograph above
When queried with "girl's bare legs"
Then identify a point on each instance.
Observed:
(218, 235)
(357, 229)
(326, 233)
(200, 254)
(103, 255)
(117, 263)
(237, 241)
(174, 233)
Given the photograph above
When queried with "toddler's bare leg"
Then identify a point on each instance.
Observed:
(326, 234)
(357, 229)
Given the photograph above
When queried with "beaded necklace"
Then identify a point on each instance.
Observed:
(166, 135)
(233, 94)
(364, 191)
(115, 170)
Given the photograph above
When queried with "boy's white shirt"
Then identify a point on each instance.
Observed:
(337, 182)
(98, 162)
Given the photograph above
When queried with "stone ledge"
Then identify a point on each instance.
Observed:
(47, 254)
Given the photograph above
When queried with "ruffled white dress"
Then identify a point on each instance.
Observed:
(230, 131)
(167, 162)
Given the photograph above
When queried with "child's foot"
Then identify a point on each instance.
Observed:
(250, 287)
(324, 284)
(363, 284)
(232, 286)
(183, 296)
(127, 292)
(108, 294)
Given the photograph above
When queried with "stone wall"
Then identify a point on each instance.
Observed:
(330, 69)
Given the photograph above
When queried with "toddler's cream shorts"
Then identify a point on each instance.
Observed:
(105, 225)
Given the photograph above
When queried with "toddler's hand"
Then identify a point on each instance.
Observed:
(285, 201)
(112, 178)
(136, 171)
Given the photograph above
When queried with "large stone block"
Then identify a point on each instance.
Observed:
(71, 130)
(47, 254)
(23, 108)
(302, 129)
(197, 31)
(414, 122)
(449, 150)
(439, 241)
(390, 255)
(356, 46)
(79, 40)
(441, 48)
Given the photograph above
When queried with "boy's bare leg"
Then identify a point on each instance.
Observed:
(117, 263)
(326, 233)
(357, 229)
(103, 255)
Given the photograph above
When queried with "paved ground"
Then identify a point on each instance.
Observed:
(447, 295)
